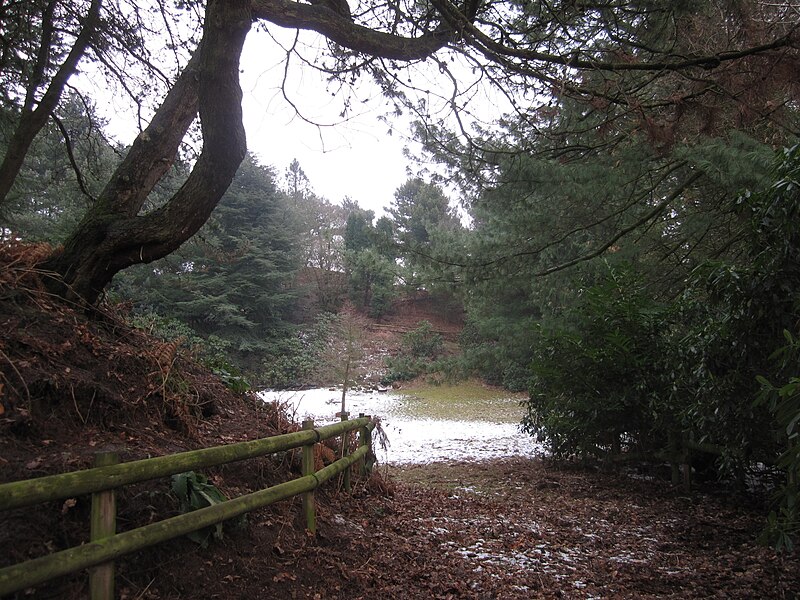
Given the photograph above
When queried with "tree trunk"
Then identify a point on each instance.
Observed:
(112, 236)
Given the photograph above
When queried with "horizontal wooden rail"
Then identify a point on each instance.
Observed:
(39, 570)
(18, 494)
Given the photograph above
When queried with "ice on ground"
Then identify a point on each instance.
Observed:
(411, 439)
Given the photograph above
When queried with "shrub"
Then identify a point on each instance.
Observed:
(595, 378)
(212, 352)
(194, 492)
(423, 342)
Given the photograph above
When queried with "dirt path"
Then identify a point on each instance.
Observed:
(516, 529)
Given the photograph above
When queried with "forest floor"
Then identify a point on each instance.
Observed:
(512, 528)
(522, 528)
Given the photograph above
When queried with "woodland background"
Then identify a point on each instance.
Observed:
(627, 247)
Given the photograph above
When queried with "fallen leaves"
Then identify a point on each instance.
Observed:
(34, 464)
(581, 535)
(68, 504)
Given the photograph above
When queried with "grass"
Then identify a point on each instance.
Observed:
(481, 477)
(442, 476)
(467, 401)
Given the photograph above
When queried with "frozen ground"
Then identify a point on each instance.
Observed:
(415, 437)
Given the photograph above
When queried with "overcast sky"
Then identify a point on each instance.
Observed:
(353, 156)
(356, 157)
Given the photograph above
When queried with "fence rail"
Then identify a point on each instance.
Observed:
(103, 551)
(19, 494)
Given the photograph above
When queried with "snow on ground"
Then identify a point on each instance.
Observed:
(412, 439)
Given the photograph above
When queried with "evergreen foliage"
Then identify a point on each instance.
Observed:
(618, 362)
(420, 353)
(322, 238)
(596, 377)
(422, 220)
(234, 279)
(50, 195)
(370, 262)
(296, 360)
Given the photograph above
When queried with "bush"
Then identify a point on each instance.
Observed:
(403, 368)
(212, 352)
(783, 523)
(421, 347)
(423, 342)
(595, 377)
(294, 361)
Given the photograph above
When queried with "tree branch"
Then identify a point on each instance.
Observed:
(31, 123)
(344, 32)
(71, 156)
(657, 210)
(476, 38)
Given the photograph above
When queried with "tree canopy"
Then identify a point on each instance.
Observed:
(653, 64)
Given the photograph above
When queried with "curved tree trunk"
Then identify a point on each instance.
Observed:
(112, 236)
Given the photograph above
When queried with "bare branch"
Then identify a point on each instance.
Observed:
(71, 156)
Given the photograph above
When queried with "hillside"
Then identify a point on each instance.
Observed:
(74, 383)
(445, 315)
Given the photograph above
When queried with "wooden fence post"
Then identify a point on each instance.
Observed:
(345, 452)
(109, 474)
(365, 439)
(309, 510)
(104, 524)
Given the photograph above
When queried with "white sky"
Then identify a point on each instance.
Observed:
(354, 157)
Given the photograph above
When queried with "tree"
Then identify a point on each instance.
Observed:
(233, 280)
(45, 21)
(419, 354)
(369, 261)
(112, 235)
(421, 216)
(583, 192)
(371, 281)
(322, 238)
(342, 358)
(358, 230)
(538, 47)
(618, 357)
(66, 167)
(734, 315)
(418, 209)
(45, 42)
(297, 184)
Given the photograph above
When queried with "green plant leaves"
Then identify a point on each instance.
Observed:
(195, 492)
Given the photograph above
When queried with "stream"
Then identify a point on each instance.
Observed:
(420, 428)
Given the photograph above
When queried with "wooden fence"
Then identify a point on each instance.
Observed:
(106, 545)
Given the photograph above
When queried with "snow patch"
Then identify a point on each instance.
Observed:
(411, 440)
